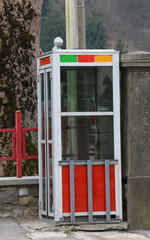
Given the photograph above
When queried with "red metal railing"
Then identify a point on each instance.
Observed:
(18, 144)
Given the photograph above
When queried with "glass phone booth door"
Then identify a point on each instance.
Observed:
(79, 136)
(45, 142)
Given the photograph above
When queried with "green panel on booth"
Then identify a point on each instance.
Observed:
(68, 58)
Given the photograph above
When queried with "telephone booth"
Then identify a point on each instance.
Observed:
(79, 136)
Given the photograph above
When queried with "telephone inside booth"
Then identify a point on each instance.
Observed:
(79, 136)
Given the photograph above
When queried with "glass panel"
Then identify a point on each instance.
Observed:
(50, 179)
(43, 178)
(49, 146)
(42, 107)
(85, 138)
(86, 89)
(49, 105)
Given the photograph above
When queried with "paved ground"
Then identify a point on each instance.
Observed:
(11, 230)
(28, 229)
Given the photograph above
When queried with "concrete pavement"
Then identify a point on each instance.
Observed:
(28, 229)
(11, 230)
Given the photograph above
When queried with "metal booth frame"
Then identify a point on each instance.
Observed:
(51, 209)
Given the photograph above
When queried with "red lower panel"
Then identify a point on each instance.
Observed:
(66, 189)
(81, 188)
(98, 188)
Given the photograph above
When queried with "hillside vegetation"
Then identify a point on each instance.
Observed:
(128, 20)
(112, 24)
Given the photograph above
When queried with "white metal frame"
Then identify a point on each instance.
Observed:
(117, 141)
(48, 142)
(44, 71)
(56, 123)
(56, 135)
(40, 143)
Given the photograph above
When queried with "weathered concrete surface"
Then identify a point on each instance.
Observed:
(13, 181)
(135, 91)
(10, 230)
(140, 57)
(139, 202)
(103, 227)
(25, 229)
(39, 225)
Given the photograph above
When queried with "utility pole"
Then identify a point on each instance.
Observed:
(81, 24)
(71, 24)
(75, 24)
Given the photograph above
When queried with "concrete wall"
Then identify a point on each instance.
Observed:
(135, 109)
(19, 197)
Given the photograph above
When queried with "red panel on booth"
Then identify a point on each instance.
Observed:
(86, 58)
(66, 189)
(81, 188)
(98, 188)
(45, 61)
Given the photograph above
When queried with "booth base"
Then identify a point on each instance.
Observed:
(116, 224)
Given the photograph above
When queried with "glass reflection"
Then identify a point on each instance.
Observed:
(49, 105)
(42, 107)
(50, 179)
(86, 89)
(89, 137)
(50, 145)
(43, 178)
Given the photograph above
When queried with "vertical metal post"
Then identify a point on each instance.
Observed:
(107, 189)
(56, 136)
(117, 147)
(39, 139)
(90, 199)
(72, 196)
(18, 144)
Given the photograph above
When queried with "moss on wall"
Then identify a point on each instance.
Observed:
(19, 41)
(16, 57)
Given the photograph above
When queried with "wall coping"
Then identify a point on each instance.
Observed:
(136, 59)
(11, 181)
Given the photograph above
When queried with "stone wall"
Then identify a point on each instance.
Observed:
(19, 197)
(135, 109)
